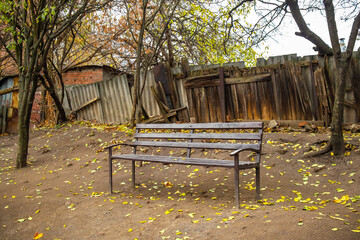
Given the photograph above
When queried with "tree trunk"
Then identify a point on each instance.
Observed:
(26, 94)
(170, 47)
(337, 139)
(48, 83)
(61, 116)
(135, 93)
(23, 141)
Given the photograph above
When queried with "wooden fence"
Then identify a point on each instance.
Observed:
(295, 90)
(281, 88)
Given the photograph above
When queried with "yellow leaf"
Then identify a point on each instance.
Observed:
(341, 219)
(38, 235)
(169, 211)
(345, 198)
(130, 230)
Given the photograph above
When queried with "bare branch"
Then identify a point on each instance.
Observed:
(354, 33)
(304, 29)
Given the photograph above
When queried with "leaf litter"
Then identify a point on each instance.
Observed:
(76, 180)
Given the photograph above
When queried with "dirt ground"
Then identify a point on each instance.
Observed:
(64, 192)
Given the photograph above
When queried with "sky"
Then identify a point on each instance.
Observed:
(289, 43)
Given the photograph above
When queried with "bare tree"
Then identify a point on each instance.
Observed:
(33, 26)
(140, 17)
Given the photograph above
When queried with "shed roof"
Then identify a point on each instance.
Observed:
(105, 67)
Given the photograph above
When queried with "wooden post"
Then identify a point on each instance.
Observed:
(315, 105)
(222, 94)
(101, 105)
(162, 110)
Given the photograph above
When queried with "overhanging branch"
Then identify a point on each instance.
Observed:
(305, 32)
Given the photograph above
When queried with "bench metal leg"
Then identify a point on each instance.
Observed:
(110, 170)
(236, 175)
(258, 183)
(133, 173)
(258, 197)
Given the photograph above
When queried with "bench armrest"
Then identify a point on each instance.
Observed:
(236, 152)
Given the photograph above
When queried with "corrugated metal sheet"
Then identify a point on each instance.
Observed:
(147, 97)
(114, 104)
(78, 95)
(116, 99)
(6, 99)
(5, 102)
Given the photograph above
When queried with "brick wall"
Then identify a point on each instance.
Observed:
(83, 75)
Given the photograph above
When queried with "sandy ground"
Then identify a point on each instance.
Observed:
(64, 192)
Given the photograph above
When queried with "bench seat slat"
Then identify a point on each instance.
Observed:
(237, 125)
(225, 146)
(184, 160)
(225, 136)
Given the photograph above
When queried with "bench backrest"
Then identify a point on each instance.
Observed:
(183, 135)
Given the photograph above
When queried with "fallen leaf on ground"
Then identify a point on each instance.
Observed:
(38, 235)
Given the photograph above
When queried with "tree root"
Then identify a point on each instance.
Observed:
(326, 149)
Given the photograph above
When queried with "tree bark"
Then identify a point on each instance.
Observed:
(170, 47)
(25, 107)
(337, 139)
(50, 87)
(135, 92)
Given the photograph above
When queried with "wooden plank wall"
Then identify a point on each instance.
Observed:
(300, 90)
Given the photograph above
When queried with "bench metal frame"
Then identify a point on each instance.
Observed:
(196, 131)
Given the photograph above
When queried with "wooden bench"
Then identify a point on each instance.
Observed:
(235, 136)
